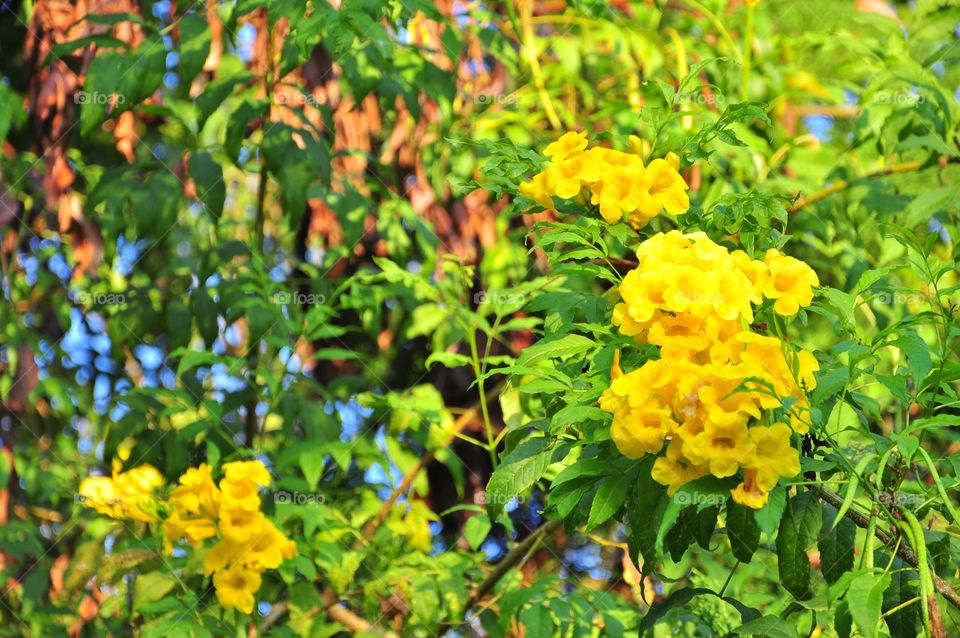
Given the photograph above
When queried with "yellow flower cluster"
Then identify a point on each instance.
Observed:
(617, 182)
(124, 495)
(716, 383)
(248, 543)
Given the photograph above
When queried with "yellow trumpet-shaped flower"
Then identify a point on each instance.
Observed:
(790, 282)
(619, 183)
(236, 587)
(568, 145)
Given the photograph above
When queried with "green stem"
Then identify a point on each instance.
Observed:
(914, 533)
(729, 578)
(747, 54)
(484, 410)
(866, 561)
(939, 483)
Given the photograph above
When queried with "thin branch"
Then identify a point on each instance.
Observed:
(462, 421)
(902, 549)
(355, 623)
(512, 558)
(843, 184)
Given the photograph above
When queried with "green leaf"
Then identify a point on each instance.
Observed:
(843, 302)
(903, 587)
(681, 535)
(194, 45)
(151, 587)
(294, 167)
(215, 93)
(918, 355)
(178, 320)
(837, 545)
(681, 598)
(645, 509)
(798, 531)
(564, 346)
(240, 119)
(769, 626)
(610, 496)
(205, 313)
(476, 529)
(115, 82)
(865, 598)
(448, 359)
(101, 40)
(311, 463)
(742, 530)
(703, 524)
(4, 470)
(121, 562)
(536, 621)
(518, 470)
(576, 414)
(208, 177)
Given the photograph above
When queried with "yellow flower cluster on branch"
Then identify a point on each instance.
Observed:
(615, 181)
(248, 543)
(124, 495)
(714, 401)
(198, 509)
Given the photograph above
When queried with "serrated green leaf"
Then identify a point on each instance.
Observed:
(798, 531)
(742, 530)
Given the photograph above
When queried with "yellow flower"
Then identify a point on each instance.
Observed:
(197, 493)
(240, 525)
(180, 525)
(641, 431)
(253, 470)
(568, 145)
(618, 182)
(196, 508)
(97, 492)
(239, 492)
(565, 178)
(721, 447)
(236, 587)
(665, 190)
(221, 555)
(270, 548)
(538, 189)
(790, 283)
(674, 470)
(773, 455)
(125, 495)
(748, 493)
(144, 479)
(267, 550)
(754, 269)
